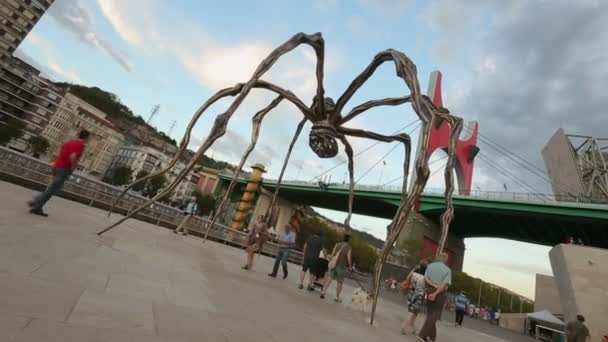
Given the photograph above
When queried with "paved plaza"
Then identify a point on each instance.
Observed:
(61, 282)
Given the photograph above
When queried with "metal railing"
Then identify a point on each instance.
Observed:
(25, 170)
(481, 194)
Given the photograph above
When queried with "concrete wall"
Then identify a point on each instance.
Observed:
(547, 295)
(581, 274)
(286, 209)
(418, 227)
(514, 322)
(560, 162)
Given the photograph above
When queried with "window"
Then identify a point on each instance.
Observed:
(28, 14)
(36, 119)
(9, 37)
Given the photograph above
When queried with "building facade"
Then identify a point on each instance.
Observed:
(26, 96)
(17, 18)
(149, 159)
(73, 115)
(578, 167)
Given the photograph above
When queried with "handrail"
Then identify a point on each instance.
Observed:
(481, 194)
(99, 194)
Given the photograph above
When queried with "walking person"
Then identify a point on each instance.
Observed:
(320, 268)
(438, 277)
(286, 243)
(341, 262)
(189, 212)
(461, 303)
(577, 331)
(67, 160)
(258, 235)
(415, 286)
(312, 248)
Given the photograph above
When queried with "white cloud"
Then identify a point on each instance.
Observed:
(74, 16)
(357, 25)
(386, 7)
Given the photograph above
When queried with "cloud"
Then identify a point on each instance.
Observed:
(74, 17)
(534, 73)
(357, 25)
(386, 7)
(53, 68)
(525, 269)
(231, 148)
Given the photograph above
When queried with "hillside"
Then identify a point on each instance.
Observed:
(119, 114)
(372, 240)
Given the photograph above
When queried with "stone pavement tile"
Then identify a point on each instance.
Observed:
(190, 294)
(113, 311)
(50, 331)
(136, 287)
(11, 325)
(37, 298)
(181, 323)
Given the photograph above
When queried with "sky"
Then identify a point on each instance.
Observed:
(521, 69)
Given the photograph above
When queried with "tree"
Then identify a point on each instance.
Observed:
(38, 145)
(206, 202)
(142, 185)
(154, 184)
(10, 129)
(121, 175)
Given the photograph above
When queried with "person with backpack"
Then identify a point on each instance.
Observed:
(341, 261)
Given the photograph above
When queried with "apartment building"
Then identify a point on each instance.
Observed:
(74, 114)
(26, 96)
(149, 159)
(17, 18)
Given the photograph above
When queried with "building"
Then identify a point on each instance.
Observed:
(578, 167)
(24, 93)
(149, 159)
(17, 18)
(74, 114)
(26, 96)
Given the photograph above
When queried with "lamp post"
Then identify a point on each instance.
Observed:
(479, 297)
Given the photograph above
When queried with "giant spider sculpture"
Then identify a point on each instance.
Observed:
(327, 129)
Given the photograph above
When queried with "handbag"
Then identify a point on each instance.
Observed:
(334, 260)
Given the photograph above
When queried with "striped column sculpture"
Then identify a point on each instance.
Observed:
(241, 212)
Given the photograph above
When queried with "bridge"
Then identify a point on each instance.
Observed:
(533, 218)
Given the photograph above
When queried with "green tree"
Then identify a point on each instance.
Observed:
(121, 175)
(142, 185)
(206, 202)
(11, 129)
(364, 255)
(154, 185)
(38, 145)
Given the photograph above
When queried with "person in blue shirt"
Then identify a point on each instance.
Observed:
(461, 302)
(286, 242)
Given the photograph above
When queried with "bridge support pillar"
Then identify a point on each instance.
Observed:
(581, 274)
(421, 235)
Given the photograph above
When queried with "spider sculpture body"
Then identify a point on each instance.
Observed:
(328, 130)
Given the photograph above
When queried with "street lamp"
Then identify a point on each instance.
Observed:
(479, 298)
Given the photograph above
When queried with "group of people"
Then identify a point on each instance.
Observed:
(427, 287)
(316, 261)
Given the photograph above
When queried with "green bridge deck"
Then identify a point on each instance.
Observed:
(545, 223)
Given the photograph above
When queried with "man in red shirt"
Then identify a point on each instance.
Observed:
(64, 165)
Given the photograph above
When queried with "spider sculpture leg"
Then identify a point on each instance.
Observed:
(219, 128)
(285, 161)
(428, 114)
(255, 133)
(232, 91)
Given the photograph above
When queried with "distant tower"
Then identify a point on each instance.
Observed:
(153, 113)
(171, 128)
